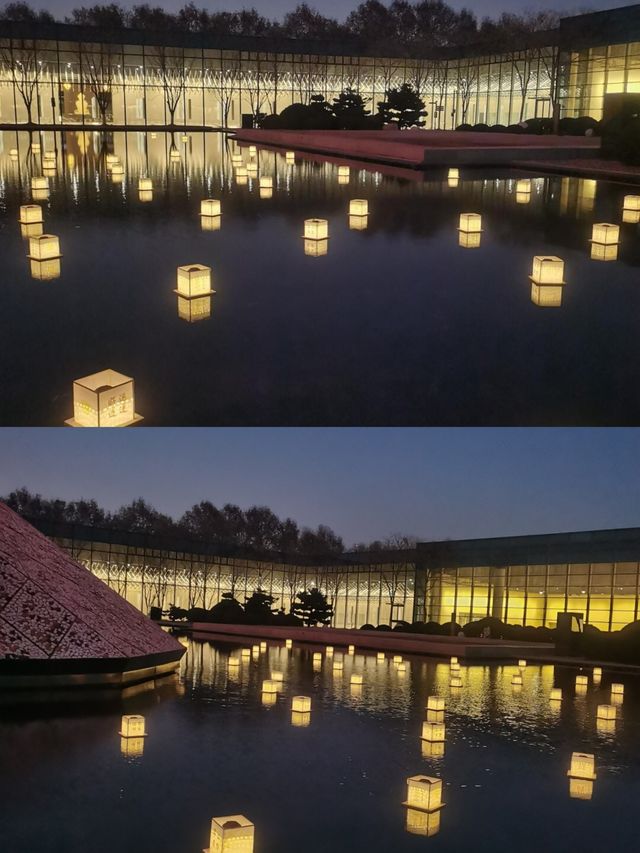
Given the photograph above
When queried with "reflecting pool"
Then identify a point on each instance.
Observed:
(334, 778)
(407, 313)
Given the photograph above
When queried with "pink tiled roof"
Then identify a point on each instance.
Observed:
(52, 607)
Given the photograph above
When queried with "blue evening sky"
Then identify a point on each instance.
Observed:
(364, 483)
(340, 9)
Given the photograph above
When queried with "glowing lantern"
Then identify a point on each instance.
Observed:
(252, 170)
(431, 749)
(46, 247)
(328, 651)
(470, 222)
(546, 295)
(605, 233)
(338, 664)
(401, 667)
(263, 646)
(277, 676)
(357, 679)
(266, 183)
(145, 185)
(422, 823)
(40, 188)
(380, 657)
(49, 157)
(397, 659)
(117, 170)
(455, 681)
(316, 229)
(231, 834)
(582, 681)
(453, 174)
(344, 172)
(174, 154)
(317, 657)
(288, 644)
(617, 693)
(605, 727)
(185, 137)
(30, 214)
(132, 725)
(132, 747)
(111, 159)
(241, 177)
(269, 686)
(606, 712)
(316, 248)
(236, 159)
(300, 720)
(517, 680)
(194, 280)
(597, 674)
(522, 664)
(35, 229)
(556, 694)
(290, 158)
(523, 186)
(424, 793)
(269, 699)
(582, 766)
(233, 662)
(547, 269)
(351, 650)
(104, 399)
(13, 153)
(580, 789)
(358, 207)
(522, 197)
(246, 653)
(265, 192)
(434, 732)
(435, 703)
(469, 239)
(631, 202)
(210, 207)
(253, 151)
(302, 704)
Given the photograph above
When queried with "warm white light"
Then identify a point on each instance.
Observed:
(580, 789)
(380, 657)
(605, 233)
(44, 248)
(470, 222)
(329, 651)
(210, 223)
(300, 720)
(111, 159)
(426, 824)
(435, 703)
(40, 188)
(233, 662)
(43, 270)
(193, 309)
(523, 186)
(316, 248)
(132, 725)
(145, 185)
(263, 646)
(454, 661)
(402, 667)
(104, 399)
(523, 198)
(469, 239)
(269, 686)
(597, 674)
(607, 712)
(631, 202)
(351, 650)
(434, 732)
(424, 792)
(582, 766)
(194, 280)
(582, 681)
(358, 223)
(453, 174)
(30, 214)
(338, 664)
(358, 207)
(266, 183)
(253, 151)
(246, 653)
(617, 693)
(546, 295)
(455, 681)
(302, 704)
(344, 171)
(317, 657)
(556, 694)
(397, 659)
(288, 644)
(35, 229)
(231, 834)
(210, 207)
(316, 229)
(522, 664)
(547, 269)
(357, 679)
(602, 252)
(631, 217)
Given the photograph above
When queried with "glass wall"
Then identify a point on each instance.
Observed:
(599, 71)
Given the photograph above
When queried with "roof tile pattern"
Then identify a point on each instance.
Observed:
(52, 607)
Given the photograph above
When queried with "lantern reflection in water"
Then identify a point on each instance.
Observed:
(546, 295)
(556, 694)
(597, 674)
(580, 789)
(210, 223)
(131, 747)
(469, 239)
(316, 248)
(358, 223)
(432, 749)
(246, 653)
(194, 309)
(338, 664)
(516, 680)
(231, 834)
(617, 694)
(43, 270)
(455, 682)
(424, 793)
(606, 712)
(422, 823)
(600, 252)
(523, 191)
(40, 188)
(300, 720)
(104, 399)
(35, 229)
(632, 203)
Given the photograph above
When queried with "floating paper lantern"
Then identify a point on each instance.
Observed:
(424, 793)
(523, 186)
(597, 674)
(338, 664)
(48, 170)
(516, 680)
(435, 703)
(631, 202)
(606, 712)
(269, 686)
(246, 653)
(601, 252)
(44, 248)
(194, 280)
(546, 295)
(266, 183)
(269, 699)
(132, 747)
(145, 184)
(582, 681)
(210, 207)
(556, 694)
(344, 171)
(426, 824)
(432, 749)
(288, 644)
(329, 651)
(470, 222)
(455, 681)
(453, 174)
(316, 229)
(582, 766)
(301, 704)
(605, 233)
(523, 198)
(210, 223)
(316, 248)
(317, 656)
(277, 676)
(263, 646)
(547, 269)
(358, 207)
(469, 239)
(233, 662)
(242, 178)
(380, 657)
(358, 223)
(40, 188)
(236, 159)
(30, 214)
(522, 664)
(253, 151)
(357, 679)
(434, 732)
(351, 650)
(317, 665)
(290, 158)
(397, 659)
(453, 661)
(300, 720)
(132, 725)
(104, 399)
(231, 834)
(617, 693)
(580, 789)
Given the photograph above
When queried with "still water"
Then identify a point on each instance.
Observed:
(395, 322)
(214, 748)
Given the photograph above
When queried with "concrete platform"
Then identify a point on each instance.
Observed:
(421, 149)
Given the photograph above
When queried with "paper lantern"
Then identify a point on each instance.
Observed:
(269, 686)
(300, 720)
(546, 295)
(617, 693)
(277, 676)
(344, 171)
(316, 229)
(397, 659)
(401, 668)
(582, 681)
(357, 679)
(453, 661)
(104, 399)
(290, 158)
(233, 662)
(231, 834)
(288, 644)
(246, 653)
(40, 188)
(470, 222)
(132, 747)
(601, 252)
(253, 151)
(44, 270)
(132, 725)
(358, 223)
(516, 680)
(358, 207)
(455, 681)
(351, 650)
(453, 174)
(174, 154)
(210, 207)
(605, 233)
(547, 269)
(426, 824)
(35, 229)
(523, 186)
(580, 789)
(329, 651)
(435, 703)
(316, 248)
(30, 214)
(469, 239)
(301, 704)
(338, 664)
(631, 217)
(434, 732)
(522, 664)
(380, 657)
(631, 202)
(597, 674)
(210, 223)
(44, 248)
(263, 646)
(424, 793)
(194, 280)
(606, 712)
(269, 699)
(145, 184)
(523, 198)
(556, 694)
(266, 183)
(582, 766)
(455, 667)
(317, 656)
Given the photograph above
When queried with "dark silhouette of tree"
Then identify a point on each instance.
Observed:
(305, 22)
(320, 541)
(145, 17)
(313, 608)
(109, 17)
(350, 109)
(141, 517)
(258, 608)
(23, 12)
(228, 610)
(403, 107)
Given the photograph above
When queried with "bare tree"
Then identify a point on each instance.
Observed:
(21, 62)
(226, 83)
(467, 82)
(98, 73)
(174, 73)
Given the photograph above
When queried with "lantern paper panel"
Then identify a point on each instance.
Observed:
(132, 747)
(302, 704)
(397, 659)
(582, 766)
(351, 650)
(357, 679)
(434, 732)
(269, 699)
(290, 158)
(381, 657)
(470, 222)
(194, 280)
(435, 703)
(269, 686)
(523, 186)
(316, 229)
(631, 217)
(33, 229)
(194, 309)
(132, 725)
(231, 834)
(516, 680)
(263, 646)
(522, 664)
(277, 676)
(453, 174)
(469, 239)
(607, 712)
(145, 196)
(580, 789)
(31, 214)
(422, 823)
(44, 248)
(432, 749)
(602, 252)
(546, 295)
(317, 656)
(605, 233)
(145, 185)
(424, 792)
(605, 727)
(547, 269)
(523, 197)
(210, 223)
(288, 644)
(104, 399)
(44, 270)
(210, 207)
(455, 682)
(582, 681)
(358, 207)
(245, 653)
(631, 202)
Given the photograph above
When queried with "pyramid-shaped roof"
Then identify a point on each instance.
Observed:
(52, 608)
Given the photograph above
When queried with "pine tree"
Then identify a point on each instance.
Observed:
(313, 608)
(403, 107)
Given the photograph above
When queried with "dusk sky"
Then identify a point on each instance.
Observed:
(364, 483)
(340, 9)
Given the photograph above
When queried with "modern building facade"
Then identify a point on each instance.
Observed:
(523, 580)
(68, 75)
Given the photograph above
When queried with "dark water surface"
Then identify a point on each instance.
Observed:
(396, 324)
(213, 749)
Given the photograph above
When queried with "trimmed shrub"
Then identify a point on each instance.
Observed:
(464, 127)
(498, 128)
(538, 125)
(367, 627)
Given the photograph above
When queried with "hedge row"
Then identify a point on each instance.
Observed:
(582, 126)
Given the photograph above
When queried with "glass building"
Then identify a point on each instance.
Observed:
(525, 580)
(65, 75)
